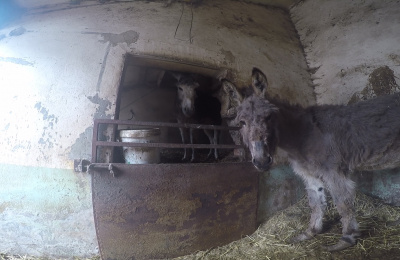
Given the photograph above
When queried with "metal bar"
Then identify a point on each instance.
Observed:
(94, 140)
(96, 143)
(169, 145)
(164, 124)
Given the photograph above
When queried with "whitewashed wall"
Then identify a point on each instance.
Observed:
(60, 67)
(344, 41)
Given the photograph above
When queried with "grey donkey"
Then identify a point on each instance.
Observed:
(193, 106)
(324, 145)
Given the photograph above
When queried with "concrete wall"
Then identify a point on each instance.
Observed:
(353, 51)
(60, 67)
(345, 41)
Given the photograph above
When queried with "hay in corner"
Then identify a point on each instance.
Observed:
(380, 235)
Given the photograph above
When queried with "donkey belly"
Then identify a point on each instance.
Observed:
(388, 159)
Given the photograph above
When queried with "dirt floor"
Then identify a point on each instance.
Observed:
(379, 226)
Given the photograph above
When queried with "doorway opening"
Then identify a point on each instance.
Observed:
(148, 93)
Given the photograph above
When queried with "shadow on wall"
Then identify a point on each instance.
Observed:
(9, 10)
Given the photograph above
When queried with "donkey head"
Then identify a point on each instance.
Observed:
(231, 97)
(186, 86)
(258, 119)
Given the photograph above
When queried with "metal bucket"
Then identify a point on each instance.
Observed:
(141, 155)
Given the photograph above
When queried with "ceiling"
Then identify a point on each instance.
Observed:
(37, 3)
(12, 9)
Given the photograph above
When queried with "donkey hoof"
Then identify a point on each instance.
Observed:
(342, 244)
(300, 237)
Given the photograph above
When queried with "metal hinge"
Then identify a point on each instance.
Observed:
(82, 165)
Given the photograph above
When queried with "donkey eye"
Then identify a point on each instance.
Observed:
(242, 123)
(267, 118)
(180, 88)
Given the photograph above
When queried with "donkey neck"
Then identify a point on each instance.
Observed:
(294, 124)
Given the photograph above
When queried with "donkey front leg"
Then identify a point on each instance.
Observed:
(317, 202)
(216, 134)
(213, 138)
(343, 194)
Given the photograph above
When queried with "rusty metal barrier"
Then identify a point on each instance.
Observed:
(155, 211)
(96, 143)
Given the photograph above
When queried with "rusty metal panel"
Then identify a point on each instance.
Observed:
(167, 210)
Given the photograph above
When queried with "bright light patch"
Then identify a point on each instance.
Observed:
(8, 11)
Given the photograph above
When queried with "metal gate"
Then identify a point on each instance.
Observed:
(153, 211)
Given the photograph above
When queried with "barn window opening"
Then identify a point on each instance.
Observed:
(150, 91)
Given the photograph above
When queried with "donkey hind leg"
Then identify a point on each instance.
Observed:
(343, 194)
(216, 134)
(317, 202)
(191, 142)
(213, 137)
(183, 133)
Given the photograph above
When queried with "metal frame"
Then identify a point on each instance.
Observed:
(96, 143)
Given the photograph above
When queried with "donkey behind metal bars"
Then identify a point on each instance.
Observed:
(324, 144)
(196, 107)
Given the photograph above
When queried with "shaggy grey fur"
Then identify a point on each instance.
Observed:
(324, 144)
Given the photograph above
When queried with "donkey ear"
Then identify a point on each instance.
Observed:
(230, 98)
(259, 82)
(231, 91)
(176, 75)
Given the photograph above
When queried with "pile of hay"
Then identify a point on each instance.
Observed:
(379, 238)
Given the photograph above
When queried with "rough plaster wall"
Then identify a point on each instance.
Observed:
(280, 189)
(61, 66)
(344, 41)
(72, 61)
(235, 36)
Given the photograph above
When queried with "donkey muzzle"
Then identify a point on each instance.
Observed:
(264, 164)
(262, 160)
(188, 111)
